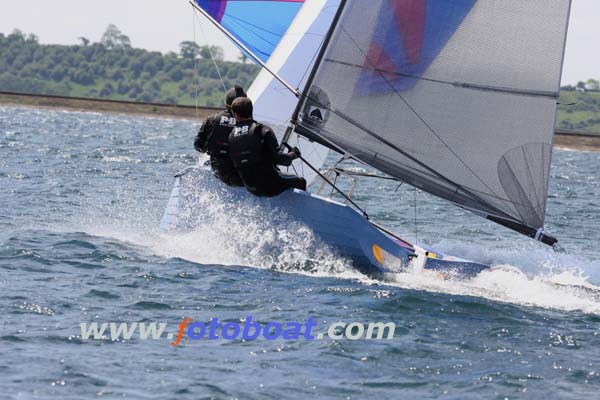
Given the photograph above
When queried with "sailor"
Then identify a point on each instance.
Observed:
(213, 139)
(255, 154)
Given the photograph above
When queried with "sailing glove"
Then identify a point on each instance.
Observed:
(296, 150)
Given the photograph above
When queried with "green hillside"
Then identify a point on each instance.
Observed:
(579, 111)
(112, 69)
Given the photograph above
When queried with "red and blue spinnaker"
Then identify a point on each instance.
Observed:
(258, 24)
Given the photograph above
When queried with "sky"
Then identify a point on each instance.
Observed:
(162, 24)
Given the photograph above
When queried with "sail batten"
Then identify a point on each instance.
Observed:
(456, 97)
(466, 85)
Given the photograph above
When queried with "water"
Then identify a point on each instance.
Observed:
(82, 195)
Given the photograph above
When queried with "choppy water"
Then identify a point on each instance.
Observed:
(82, 195)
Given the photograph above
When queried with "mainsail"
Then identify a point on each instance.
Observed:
(455, 97)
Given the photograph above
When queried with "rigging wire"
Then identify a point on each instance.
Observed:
(416, 224)
(212, 56)
(341, 192)
(314, 57)
(196, 75)
(312, 61)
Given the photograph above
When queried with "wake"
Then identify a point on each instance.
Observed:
(543, 280)
(250, 236)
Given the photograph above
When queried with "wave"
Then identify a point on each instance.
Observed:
(528, 276)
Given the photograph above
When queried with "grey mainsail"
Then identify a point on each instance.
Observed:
(455, 97)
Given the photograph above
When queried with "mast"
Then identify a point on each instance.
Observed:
(311, 78)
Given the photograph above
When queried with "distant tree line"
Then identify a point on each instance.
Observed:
(592, 85)
(579, 107)
(112, 69)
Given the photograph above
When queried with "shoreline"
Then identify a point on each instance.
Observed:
(580, 141)
(105, 106)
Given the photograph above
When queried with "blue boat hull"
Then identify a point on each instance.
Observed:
(338, 226)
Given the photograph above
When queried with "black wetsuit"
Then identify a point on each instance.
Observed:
(213, 138)
(255, 153)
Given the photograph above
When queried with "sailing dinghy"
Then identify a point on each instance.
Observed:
(457, 98)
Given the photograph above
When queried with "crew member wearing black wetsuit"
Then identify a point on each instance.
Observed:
(213, 138)
(255, 154)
